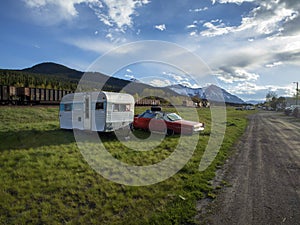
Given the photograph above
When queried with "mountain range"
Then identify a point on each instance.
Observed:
(211, 92)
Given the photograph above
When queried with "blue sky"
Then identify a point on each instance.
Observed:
(250, 46)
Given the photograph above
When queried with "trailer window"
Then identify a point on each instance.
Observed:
(121, 107)
(68, 107)
(99, 106)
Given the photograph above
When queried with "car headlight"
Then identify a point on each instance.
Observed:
(198, 127)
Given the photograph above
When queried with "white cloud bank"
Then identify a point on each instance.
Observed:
(110, 12)
(254, 91)
(264, 42)
(267, 18)
(120, 12)
(232, 1)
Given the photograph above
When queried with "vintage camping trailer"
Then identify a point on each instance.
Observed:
(96, 111)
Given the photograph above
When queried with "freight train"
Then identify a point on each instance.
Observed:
(147, 102)
(11, 95)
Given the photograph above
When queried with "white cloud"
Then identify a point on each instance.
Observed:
(253, 90)
(160, 82)
(215, 30)
(174, 79)
(237, 75)
(260, 54)
(130, 76)
(110, 12)
(121, 12)
(199, 9)
(246, 88)
(191, 26)
(160, 27)
(193, 34)
(57, 9)
(274, 64)
(266, 19)
(89, 44)
(232, 1)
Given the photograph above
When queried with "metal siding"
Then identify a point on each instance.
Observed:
(12, 91)
(51, 95)
(59, 95)
(47, 94)
(32, 94)
(98, 120)
(55, 95)
(42, 95)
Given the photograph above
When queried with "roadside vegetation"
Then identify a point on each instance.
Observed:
(45, 180)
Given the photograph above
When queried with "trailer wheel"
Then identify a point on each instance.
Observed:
(123, 133)
(132, 127)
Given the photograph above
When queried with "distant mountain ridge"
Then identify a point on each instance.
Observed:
(54, 69)
(65, 74)
(62, 73)
(211, 92)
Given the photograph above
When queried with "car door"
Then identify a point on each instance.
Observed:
(157, 123)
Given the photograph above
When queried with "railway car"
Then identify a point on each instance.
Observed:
(8, 95)
(26, 95)
(4, 94)
(148, 102)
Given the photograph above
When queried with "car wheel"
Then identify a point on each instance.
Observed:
(169, 132)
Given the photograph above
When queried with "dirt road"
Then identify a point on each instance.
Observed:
(263, 175)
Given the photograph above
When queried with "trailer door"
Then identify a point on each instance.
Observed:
(99, 116)
(87, 112)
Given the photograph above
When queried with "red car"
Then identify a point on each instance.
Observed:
(168, 123)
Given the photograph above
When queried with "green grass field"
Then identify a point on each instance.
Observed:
(45, 180)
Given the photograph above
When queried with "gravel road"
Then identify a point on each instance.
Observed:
(263, 175)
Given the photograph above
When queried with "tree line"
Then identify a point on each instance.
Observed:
(25, 79)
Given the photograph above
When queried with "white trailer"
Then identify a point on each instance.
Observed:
(96, 111)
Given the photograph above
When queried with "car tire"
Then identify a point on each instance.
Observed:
(169, 132)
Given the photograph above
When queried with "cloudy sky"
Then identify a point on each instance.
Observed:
(250, 46)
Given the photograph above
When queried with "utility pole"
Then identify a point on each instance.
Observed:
(297, 91)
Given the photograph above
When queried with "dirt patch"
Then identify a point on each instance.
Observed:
(262, 178)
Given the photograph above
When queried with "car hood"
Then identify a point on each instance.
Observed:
(187, 122)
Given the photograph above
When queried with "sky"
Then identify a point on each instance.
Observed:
(250, 47)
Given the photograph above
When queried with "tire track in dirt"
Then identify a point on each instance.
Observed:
(264, 175)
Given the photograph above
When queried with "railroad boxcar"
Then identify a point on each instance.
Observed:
(148, 102)
(23, 94)
(4, 94)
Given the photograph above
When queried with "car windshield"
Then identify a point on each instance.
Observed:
(147, 114)
(173, 117)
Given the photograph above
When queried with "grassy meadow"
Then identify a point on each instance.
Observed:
(44, 179)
